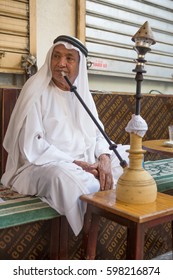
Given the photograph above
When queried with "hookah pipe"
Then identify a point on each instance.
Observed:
(112, 146)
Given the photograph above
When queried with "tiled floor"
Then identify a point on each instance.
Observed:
(167, 256)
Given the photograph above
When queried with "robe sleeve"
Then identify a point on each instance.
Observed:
(102, 146)
(32, 143)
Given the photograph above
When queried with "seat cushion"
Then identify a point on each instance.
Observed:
(162, 172)
(17, 209)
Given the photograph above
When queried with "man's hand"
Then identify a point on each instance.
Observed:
(105, 172)
(101, 170)
(88, 167)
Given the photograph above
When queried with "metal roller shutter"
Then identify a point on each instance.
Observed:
(14, 35)
(110, 26)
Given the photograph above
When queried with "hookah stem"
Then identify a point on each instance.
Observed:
(139, 79)
(112, 146)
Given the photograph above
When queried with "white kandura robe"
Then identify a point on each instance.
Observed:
(48, 130)
(50, 142)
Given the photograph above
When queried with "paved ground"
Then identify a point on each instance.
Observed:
(167, 256)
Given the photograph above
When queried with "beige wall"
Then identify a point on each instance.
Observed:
(119, 84)
(53, 18)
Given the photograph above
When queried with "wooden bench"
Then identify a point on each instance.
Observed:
(18, 210)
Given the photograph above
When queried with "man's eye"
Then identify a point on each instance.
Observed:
(70, 59)
(56, 56)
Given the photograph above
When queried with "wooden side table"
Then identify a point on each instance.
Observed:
(157, 146)
(137, 218)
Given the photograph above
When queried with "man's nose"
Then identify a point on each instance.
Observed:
(62, 62)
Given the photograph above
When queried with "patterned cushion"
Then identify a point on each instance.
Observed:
(162, 172)
(16, 209)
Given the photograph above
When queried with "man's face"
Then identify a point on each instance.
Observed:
(67, 61)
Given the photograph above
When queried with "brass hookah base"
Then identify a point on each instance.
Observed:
(136, 185)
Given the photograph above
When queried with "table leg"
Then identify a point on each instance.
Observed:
(90, 232)
(63, 239)
(54, 239)
(135, 241)
(59, 239)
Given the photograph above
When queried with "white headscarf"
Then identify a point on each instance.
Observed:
(31, 92)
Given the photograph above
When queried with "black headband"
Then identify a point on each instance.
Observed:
(75, 42)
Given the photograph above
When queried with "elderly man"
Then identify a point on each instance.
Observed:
(55, 151)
